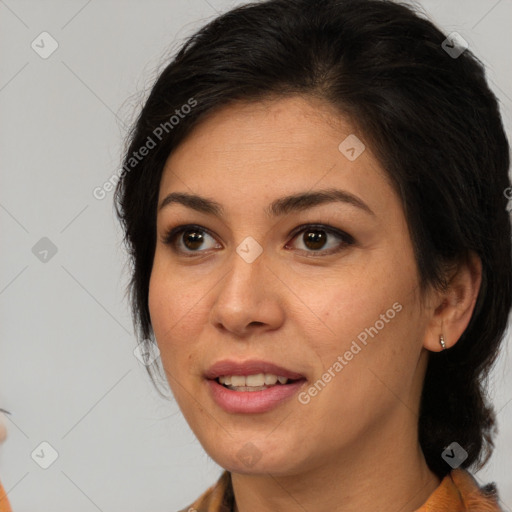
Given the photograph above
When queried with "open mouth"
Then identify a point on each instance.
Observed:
(258, 382)
(255, 393)
(251, 386)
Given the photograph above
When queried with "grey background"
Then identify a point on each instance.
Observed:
(68, 373)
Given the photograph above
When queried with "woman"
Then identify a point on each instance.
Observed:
(313, 201)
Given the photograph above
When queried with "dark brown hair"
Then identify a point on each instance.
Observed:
(430, 118)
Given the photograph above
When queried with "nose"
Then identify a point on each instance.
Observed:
(249, 298)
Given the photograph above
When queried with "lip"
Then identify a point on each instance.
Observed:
(251, 401)
(247, 402)
(249, 367)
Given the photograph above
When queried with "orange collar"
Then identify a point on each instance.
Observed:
(4, 501)
(458, 492)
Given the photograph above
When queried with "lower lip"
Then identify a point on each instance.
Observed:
(252, 401)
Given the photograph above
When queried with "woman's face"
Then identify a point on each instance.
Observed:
(336, 301)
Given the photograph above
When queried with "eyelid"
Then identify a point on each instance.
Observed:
(170, 233)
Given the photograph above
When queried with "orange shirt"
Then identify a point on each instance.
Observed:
(4, 502)
(458, 492)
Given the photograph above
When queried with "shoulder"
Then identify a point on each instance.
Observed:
(217, 498)
(475, 497)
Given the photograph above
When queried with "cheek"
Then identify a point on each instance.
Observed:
(176, 312)
(159, 301)
(370, 318)
(348, 303)
(165, 308)
(380, 346)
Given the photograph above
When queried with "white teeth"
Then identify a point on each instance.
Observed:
(257, 380)
(270, 380)
(238, 380)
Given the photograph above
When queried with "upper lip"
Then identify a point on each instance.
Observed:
(249, 367)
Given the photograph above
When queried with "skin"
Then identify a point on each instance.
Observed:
(354, 446)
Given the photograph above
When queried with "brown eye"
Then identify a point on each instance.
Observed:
(192, 239)
(314, 239)
(189, 239)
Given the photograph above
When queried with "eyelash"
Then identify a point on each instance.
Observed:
(347, 240)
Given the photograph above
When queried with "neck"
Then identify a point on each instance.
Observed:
(376, 475)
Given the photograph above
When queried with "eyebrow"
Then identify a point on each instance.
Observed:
(282, 206)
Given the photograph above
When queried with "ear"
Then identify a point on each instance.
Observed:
(453, 308)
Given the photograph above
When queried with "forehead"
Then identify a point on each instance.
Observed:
(269, 146)
(264, 126)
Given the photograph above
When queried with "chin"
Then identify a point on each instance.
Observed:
(253, 458)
